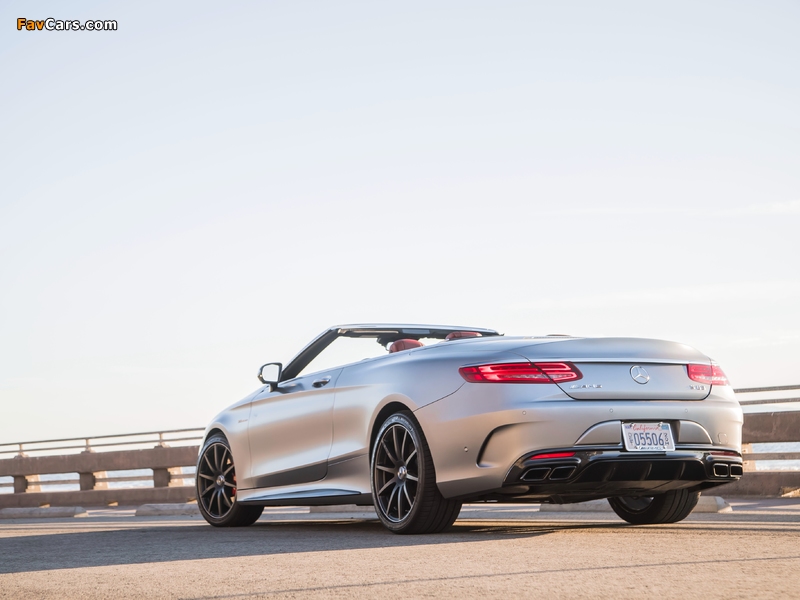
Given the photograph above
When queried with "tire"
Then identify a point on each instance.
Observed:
(215, 484)
(403, 480)
(669, 507)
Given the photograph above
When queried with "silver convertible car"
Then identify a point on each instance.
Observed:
(417, 419)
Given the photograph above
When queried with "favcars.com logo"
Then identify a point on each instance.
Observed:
(67, 25)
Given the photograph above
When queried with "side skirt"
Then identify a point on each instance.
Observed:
(324, 498)
(347, 482)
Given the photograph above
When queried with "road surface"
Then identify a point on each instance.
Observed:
(753, 552)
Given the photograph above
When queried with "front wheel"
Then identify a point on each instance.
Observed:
(403, 480)
(669, 507)
(215, 482)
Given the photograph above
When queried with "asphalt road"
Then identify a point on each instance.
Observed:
(753, 552)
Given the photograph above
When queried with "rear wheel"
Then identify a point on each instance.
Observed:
(669, 507)
(215, 482)
(403, 480)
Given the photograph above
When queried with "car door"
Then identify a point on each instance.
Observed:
(291, 431)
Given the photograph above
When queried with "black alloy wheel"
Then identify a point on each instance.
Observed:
(669, 507)
(396, 472)
(403, 480)
(215, 482)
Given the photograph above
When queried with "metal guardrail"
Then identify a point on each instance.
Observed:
(775, 388)
(132, 441)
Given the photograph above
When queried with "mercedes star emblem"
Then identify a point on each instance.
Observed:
(639, 375)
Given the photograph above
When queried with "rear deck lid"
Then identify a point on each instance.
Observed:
(625, 368)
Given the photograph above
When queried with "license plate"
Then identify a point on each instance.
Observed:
(647, 437)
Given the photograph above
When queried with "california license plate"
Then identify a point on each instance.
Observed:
(647, 437)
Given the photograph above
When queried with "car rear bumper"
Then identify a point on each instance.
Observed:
(478, 435)
(594, 473)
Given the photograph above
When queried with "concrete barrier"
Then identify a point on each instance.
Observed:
(58, 512)
(771, 427)
(119, 497)
(164, 462)
(92, 462)
(167, 462)
(771, 484)
(188, 509)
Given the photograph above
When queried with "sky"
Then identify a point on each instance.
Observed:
(210, 186)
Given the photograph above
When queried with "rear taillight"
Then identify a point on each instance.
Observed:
(710, 374)
(554, 372)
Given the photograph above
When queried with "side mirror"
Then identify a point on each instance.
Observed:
(270, 374)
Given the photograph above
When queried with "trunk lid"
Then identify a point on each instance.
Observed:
(625, 368)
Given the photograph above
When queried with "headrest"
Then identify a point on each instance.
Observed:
(456, 335)
(399, 345)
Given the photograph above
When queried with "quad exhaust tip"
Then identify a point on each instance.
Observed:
(561, 473)
(721, 470)
(727, 470)
(538, 474)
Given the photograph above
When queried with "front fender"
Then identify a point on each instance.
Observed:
(233, 423)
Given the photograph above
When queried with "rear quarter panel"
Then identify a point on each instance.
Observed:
(414, 379)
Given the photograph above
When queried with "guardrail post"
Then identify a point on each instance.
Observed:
(26, 483)
(161, 477)
(20, 484)
(87, 481)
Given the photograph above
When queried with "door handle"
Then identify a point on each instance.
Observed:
(321, 382)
